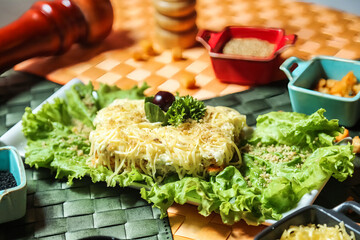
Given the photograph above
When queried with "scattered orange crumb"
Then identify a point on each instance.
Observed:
(145, 51)
(138, 56)
(147, 47)
(177, 53)
(187, 80)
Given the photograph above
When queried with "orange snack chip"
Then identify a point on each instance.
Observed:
(356, 144)
(346, 87)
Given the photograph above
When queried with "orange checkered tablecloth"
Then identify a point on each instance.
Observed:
(187, 224)
(320, 31)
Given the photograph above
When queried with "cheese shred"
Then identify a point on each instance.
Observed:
(124, 139)
(317, 232)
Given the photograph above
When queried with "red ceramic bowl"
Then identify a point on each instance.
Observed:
(230, 68)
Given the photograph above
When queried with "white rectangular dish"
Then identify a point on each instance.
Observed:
(14, 136)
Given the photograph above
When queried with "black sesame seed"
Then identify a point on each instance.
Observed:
(7, 180)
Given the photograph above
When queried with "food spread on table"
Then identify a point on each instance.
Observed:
(254, 175)
(175, 148)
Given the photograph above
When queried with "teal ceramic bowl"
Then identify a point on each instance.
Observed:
(13, 199)
(303, 77)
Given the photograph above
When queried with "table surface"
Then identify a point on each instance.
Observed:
(320, 30)
(350, 6)
(29, 85)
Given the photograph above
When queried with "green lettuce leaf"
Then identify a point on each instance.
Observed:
(82, 103)
(40, 125)
(296, 129)
(107, 94)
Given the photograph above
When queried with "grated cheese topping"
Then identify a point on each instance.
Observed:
(317, 232)
(124, 138)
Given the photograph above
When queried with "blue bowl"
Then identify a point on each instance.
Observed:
(305, 77)
(13, 199)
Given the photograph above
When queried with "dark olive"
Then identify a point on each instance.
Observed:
(164, 100)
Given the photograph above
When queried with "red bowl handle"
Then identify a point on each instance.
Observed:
(288, 40)
(208, 38)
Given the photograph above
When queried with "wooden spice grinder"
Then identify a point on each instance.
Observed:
(50, 28)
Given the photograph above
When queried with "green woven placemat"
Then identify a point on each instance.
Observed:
(56, 210)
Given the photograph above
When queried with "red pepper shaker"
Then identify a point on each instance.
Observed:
(50, 28)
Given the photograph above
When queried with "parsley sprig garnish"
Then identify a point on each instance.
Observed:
(181, 109)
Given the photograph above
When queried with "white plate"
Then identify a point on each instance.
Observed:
(14, 137)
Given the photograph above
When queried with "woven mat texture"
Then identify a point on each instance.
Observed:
(58, 211)
(320, 31)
